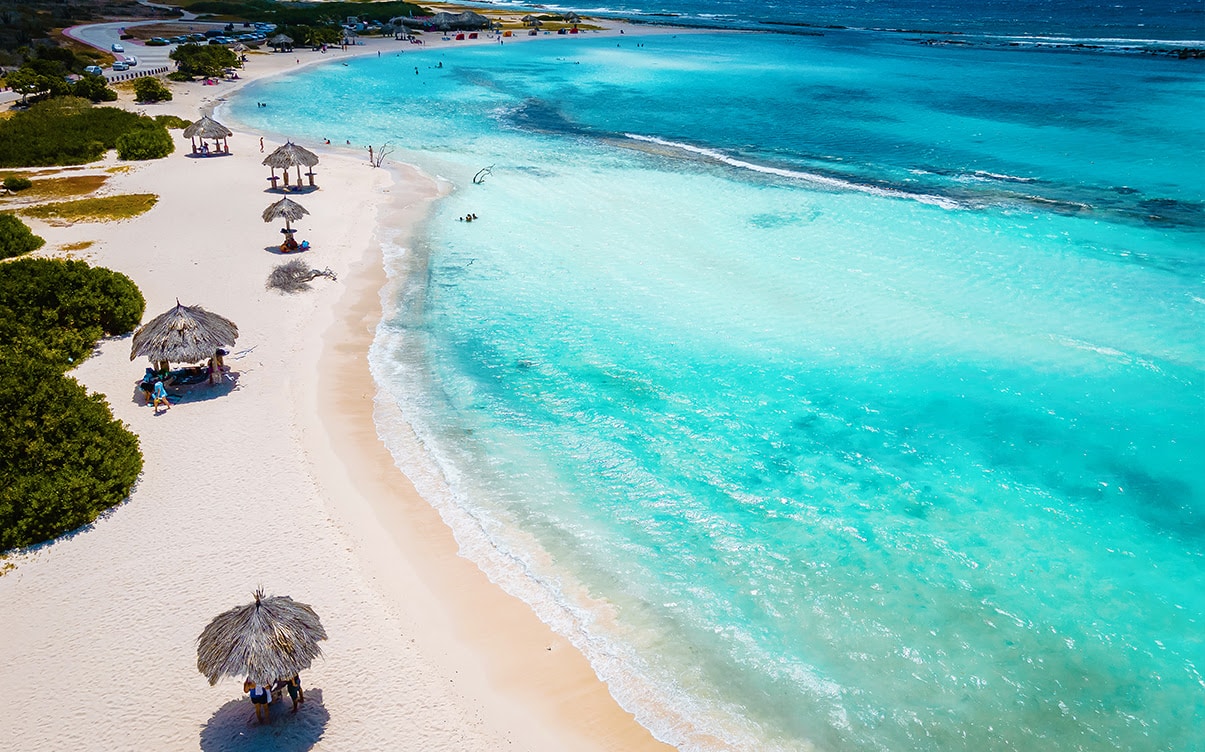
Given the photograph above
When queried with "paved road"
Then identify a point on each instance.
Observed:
(102, 36)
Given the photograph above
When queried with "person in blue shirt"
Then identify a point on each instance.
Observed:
(160, 395)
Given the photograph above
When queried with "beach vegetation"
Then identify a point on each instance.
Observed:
(55, 310)
(80, 246)
(16, 183)
(151, 89)
(66, 187)
(145, 143)
(99, 209)
(286, 13)
(94, 89)
(63, 458)
(205, 60)
(172, 122)
(16, 239)
(64, 131)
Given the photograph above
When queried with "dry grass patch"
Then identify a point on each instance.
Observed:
(120, 169)
(59, 188)
(80, 246)
(101, 209)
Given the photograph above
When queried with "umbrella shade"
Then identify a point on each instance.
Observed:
(291, 155)
(183, 335)
(274, 638)
(286, 209)
(207, 127)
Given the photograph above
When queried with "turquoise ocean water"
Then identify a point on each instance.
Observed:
(837, 392)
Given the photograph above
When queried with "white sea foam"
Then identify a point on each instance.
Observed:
(823, 180)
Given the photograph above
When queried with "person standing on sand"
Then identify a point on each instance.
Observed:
(160, 395)
(261, 144)
(259, 698)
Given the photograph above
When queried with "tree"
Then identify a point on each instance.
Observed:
(27, 82)
(203, 60)
(150, 89)
(94, 89)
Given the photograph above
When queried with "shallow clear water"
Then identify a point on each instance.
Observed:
(833, 391)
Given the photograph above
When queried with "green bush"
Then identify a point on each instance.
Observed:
(178, 76)
(64, 131)
(63, 458)
(94, 89)
(172, 121)
(15, 183)
(15, 238)
(145, 143)
(150, 89)
(55, 310)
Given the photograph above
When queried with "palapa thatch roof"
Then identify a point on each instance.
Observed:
(207, 127)
(286, 209)
(185, 334)
(291, 155)
(274, 638)
(280, 39)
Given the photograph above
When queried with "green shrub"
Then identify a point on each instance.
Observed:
(172, 121)
(63, 458)
(94, 89)
(150, 89)
(64, 131)
(55, 310)
(15, 238)
(145, 143)
(178, 76)
(15, 183)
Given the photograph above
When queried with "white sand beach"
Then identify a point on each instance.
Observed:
(278, 480)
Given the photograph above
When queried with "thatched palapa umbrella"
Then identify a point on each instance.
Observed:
(291, 155)
(274, 638)
(286, 209)
(281, 43)
(185, 334)
(208, 128)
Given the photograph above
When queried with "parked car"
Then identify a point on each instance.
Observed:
(121, 65)
(117, 47)
(94, 70)
(156, 42)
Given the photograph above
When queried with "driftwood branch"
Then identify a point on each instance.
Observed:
(479, 178)
(377, 156)
(293, 276)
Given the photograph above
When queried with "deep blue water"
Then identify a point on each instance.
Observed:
(833, 392)
(1167, 20)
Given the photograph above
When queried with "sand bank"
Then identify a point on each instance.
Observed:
(275, 480)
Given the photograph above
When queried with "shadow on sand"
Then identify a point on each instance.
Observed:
(234, 728)
(201, 392)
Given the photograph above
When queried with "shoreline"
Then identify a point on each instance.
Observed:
(546, 687)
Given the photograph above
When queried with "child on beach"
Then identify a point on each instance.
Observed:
(159, 394)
